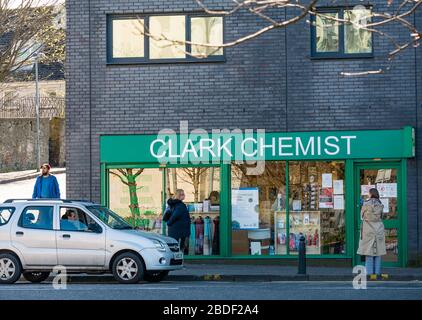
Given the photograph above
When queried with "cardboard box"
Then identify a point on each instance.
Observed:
(240, 242)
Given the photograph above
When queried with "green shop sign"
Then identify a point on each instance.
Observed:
(202, 147)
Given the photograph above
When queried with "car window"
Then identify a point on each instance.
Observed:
(74, 219)
(109, 217)
(5, 215)
(37, 217)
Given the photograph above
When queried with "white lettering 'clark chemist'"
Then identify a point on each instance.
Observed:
(252, 147)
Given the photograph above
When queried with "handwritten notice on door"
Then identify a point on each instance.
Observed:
(338, 187)
(339, 202)
(364, 189)
(327, 180)
(387, 190)
(385, 202)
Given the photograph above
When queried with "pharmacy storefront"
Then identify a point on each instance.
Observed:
(252, 195)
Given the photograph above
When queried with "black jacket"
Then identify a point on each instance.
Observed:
(179, 221)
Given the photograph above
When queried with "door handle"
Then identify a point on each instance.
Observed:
(19, 233)
(66, 236)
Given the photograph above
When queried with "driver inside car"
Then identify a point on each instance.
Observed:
(70, 222)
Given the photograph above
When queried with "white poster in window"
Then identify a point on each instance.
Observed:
(338, 202)
(387, 190)
(297, 205)
(255, 248)
(245, 208)
(327, 180)
(385, 202)
(364, 189)
(306, 219)
(338, 187)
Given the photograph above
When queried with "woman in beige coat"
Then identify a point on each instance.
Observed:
(372, 234)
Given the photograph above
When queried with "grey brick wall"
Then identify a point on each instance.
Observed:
(416, 202)
(270, 82)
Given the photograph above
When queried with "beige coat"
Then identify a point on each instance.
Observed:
(372, 235)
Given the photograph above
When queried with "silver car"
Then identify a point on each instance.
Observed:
(37, 235)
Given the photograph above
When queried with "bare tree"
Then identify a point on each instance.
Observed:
(128, 177)
(25, 27)
(373, 21)
(194, 175)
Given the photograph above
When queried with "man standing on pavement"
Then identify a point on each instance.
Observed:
(46, 185)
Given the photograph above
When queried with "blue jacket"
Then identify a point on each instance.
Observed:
(179, 220)
(54, 188)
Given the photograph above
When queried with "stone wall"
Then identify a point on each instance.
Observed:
(18, 138)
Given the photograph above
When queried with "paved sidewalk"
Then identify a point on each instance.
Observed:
(10, 177)
(254, 273)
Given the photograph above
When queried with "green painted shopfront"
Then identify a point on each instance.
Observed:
(252, 195)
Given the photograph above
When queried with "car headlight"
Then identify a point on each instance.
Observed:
(159, 245)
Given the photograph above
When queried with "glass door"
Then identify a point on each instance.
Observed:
(387, 179)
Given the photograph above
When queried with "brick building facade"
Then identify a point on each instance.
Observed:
(270, 83)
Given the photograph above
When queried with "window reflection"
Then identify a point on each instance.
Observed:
(207, 31)
(128, 38)
(357, 40)
(327, 35)
(166, 29)
(202, 190)
(136, 195)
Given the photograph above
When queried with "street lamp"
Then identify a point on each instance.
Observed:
(37, 55)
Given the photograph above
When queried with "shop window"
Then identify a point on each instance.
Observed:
(164, 38)
(258, 208)
(128, 38)
(317, 206)
(136, 195)
(202, 190)
(336, 39)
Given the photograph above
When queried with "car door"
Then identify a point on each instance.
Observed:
(34, 235)
(80, 239)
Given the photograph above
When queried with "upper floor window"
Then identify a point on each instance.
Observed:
(164, 38)
(333, 38)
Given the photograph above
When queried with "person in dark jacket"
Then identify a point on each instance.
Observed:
(46, 185)
(178, 219)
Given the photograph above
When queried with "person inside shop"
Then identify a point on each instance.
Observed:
(372, 235)
(46, 185)
(178, 219)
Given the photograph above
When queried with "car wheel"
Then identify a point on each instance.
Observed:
(10, 268)
(155, 276)
(128, 268)
(36, 277)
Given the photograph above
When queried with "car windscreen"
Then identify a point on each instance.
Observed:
(113, 220)
(5, 215)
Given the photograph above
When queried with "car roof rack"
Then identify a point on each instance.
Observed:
(48, 199)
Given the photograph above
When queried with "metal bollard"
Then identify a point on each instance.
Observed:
(302, 256)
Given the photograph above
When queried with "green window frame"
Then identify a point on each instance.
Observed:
(145, 57)
(342, 33)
